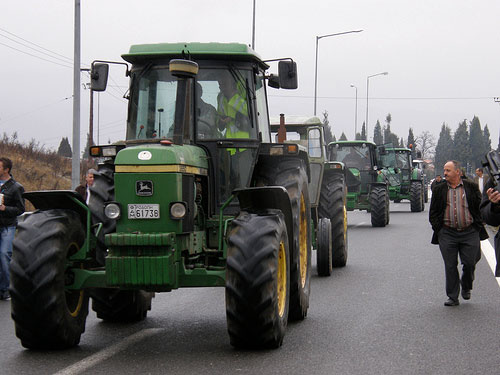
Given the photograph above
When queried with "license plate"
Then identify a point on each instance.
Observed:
(143, 211)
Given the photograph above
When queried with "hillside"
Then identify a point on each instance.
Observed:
(36, 168)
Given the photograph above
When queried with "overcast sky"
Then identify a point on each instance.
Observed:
(442, 56)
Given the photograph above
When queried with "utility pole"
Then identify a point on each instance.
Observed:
(75, 160)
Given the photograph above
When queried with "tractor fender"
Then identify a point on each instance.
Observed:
(265, 197)
(334, 167)
(65, 199)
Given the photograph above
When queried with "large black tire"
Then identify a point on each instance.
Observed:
(426, 193)
(378, 206)
(416, 197)
(46, 315)
(257, 280)
(333, 205)
(111, 304)
(114, 305)
(103, 190)
(324, 259)
(290, 173)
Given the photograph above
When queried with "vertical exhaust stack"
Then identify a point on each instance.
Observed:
(282, 129)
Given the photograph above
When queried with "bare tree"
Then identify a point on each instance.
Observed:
(426, 144)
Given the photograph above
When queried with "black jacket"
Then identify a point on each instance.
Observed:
(491, 215)
(13, 201)
(438, 207)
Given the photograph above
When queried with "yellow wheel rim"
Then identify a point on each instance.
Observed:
(75, 298)
(281, 279)
(303, 241)
(76, 301)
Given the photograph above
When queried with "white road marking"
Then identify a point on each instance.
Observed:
(89, 362)
(489, 254)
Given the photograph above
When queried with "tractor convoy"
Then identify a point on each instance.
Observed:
(202, 192)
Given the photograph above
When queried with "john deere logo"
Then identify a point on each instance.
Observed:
(144, 188)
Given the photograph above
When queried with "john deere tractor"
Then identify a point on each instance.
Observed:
(405, 180)
(366, 177)
(327, 190)
(195, 196)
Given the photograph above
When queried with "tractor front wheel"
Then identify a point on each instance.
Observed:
(333, 205)
(416, 197)
(378, 206)
(46, 314)
(324, 252)
(257, 280)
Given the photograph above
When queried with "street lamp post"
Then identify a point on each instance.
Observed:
(367, 85)
(355, 113)
(316, 65)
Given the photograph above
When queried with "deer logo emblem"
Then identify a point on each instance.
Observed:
(144, 188)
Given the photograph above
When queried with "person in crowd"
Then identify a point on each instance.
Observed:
(458, 227)
(480, 179)
(11, 206)
(436, 181)
(490, 210)
(84, 190)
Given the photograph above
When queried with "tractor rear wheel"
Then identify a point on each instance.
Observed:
(333, 205)
(46, 315)
(114, 305)
(257, 280)
(324, 252)
(416, 197)
(378, 206)
(102, 190)
(290, 173)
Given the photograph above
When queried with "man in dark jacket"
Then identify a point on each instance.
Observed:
(11, 206)
(490, 209)
(458, 228)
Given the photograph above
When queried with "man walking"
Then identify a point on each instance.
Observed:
(458, 228)
(480, 179)
(11, 206)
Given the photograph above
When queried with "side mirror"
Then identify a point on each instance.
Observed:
(274, 81)
(287, 71)
(419, 155)
(99, 77)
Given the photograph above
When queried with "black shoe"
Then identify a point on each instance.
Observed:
(451, 302)
(465, 294)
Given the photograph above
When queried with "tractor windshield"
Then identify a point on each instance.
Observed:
(353, 156)
(221, 107)
(152, 104)
(403, 159)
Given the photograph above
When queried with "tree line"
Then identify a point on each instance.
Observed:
(468, 144)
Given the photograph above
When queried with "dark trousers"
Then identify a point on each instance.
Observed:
(466, 244)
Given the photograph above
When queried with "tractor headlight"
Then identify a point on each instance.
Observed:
(178, 210)
(112, 210)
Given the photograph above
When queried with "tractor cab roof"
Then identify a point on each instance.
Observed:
(352, 143)
(193, 50)
(292, 122)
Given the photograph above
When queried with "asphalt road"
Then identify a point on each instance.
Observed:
(381, 314)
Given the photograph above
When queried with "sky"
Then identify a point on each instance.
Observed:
(442, 59)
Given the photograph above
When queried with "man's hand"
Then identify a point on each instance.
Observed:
(493, 195)
(2, 207)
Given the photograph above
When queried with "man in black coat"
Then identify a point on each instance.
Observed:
(490, 209)
(458, 228)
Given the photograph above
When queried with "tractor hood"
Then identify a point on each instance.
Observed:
(162, 158)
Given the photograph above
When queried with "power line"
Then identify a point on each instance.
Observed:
(30, 54)
(27, 41)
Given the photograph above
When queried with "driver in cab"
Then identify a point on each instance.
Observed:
(232, 109)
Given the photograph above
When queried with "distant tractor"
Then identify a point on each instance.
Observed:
(421, 165)
(327, 189)
(405, 180)
(195, 196)
(367, 183)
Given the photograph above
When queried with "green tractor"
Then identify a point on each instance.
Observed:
(405, 180)
(195, 196)
(327, 190)
(366, 177)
